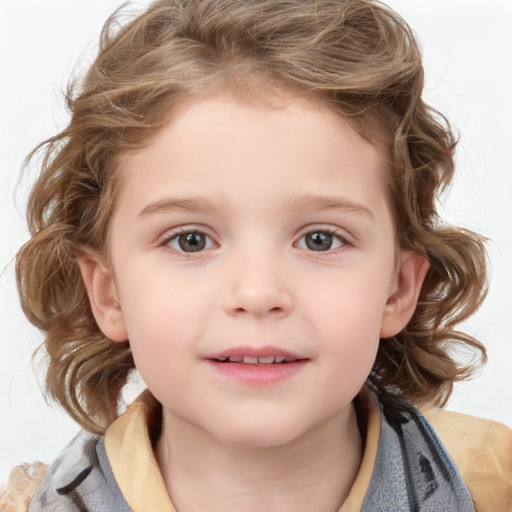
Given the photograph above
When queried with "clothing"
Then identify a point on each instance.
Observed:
(405, 466)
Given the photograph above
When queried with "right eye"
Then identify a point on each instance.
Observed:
(189, 241)
(322, 240)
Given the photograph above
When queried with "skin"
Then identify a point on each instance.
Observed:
(257, 184)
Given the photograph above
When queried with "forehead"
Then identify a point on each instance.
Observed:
(215, 140)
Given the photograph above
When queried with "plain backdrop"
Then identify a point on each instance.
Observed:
(467, 48)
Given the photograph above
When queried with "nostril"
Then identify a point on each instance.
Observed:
(277, 310)
(258, 300)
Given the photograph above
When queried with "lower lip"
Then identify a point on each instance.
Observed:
(259, 374)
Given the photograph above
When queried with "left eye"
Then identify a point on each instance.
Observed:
(320, 241)
(192, 241)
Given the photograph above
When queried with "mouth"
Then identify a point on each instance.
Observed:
(266, 355)
(265, 360)
(261, 366)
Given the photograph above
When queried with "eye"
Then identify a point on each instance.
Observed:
(321, 240)
(189, 241)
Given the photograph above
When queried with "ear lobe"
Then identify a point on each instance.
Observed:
(401, 304)
(101, 289)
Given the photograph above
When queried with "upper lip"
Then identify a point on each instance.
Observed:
(248, 351)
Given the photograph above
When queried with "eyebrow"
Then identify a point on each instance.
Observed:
(313, 202)
(171, 204)
(203, 205)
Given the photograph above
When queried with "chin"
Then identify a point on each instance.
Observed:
(261, 435)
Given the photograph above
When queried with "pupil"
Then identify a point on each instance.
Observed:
(192, 242)
(319, 241)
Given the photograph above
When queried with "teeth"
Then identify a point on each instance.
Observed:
(266, 360)
(256, 360)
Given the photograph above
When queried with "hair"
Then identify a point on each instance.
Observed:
(357, 57)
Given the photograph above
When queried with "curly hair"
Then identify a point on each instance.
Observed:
(359, 58)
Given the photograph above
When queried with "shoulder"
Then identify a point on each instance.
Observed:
(23, 482)
(79, 479)
(482, 451)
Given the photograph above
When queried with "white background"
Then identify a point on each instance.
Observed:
(468, 59)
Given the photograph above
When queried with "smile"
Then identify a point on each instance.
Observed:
(255, 360)
(257, 366)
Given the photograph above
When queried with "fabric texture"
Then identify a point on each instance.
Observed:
(413, 471)
(405, 465)
(81, 479)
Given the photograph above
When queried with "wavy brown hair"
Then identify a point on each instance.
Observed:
(357, 57)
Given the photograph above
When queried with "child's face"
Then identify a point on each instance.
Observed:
(244, 230)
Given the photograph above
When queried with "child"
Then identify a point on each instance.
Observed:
(243, 208)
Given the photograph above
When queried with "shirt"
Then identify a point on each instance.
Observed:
(405, 465)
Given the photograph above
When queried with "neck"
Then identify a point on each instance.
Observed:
(313, 472)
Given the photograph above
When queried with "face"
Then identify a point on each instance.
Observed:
(254, 267)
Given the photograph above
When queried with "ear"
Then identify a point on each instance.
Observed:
(101, 288)
(401, 304)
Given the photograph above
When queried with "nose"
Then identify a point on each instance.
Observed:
(258, 287)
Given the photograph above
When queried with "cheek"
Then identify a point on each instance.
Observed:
(157, 303)
(353, 340)
(162, 321)
(351, 304)
(349, 319)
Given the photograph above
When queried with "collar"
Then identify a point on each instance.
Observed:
(130, 453)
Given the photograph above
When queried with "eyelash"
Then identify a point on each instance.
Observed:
(334, 232)
(175, 234)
